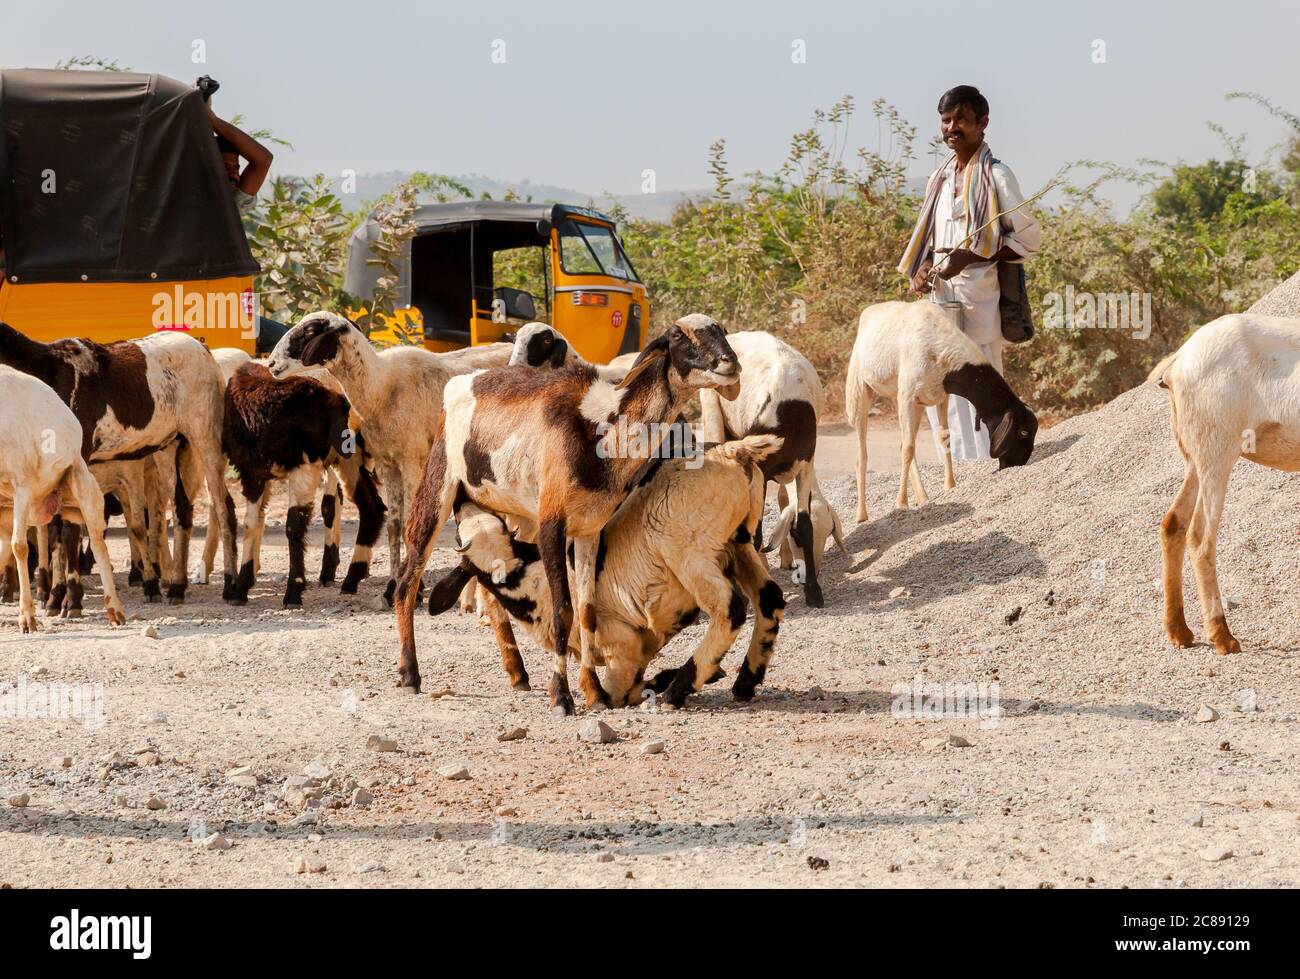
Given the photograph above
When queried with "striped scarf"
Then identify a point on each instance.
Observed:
(981, 197)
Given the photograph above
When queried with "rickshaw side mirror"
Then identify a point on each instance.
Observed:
(543, 228)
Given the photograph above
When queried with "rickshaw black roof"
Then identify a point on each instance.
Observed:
(140, 191)
(430, 217)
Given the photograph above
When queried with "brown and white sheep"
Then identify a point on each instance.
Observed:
(1234, 392)
(913, 353)
(680, 544)
(42, 473)
(544, 447)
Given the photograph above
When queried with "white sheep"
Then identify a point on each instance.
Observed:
(913, 353)
(1234, 392)
(43, 474)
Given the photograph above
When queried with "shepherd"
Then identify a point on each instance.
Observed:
(973, 220)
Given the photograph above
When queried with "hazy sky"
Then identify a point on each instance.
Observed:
(591, 94)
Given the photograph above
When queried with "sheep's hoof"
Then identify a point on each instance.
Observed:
(27, 622)
(1224, 641)
(1179, 634)
(70, 613)
(175, 599)
(135, 576)
(812, 596)
(409, 678)
(237, 600)
(116, 614)
(523, 686)
(389, 591)
(561, 699)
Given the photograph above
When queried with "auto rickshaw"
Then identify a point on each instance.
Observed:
(116, 215)
(451, 292)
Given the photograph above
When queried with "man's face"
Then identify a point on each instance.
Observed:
(231, 160)
(962, 132)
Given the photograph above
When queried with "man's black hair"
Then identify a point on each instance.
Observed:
(955, 98)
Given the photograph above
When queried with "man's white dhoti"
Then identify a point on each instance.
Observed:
(968, 439)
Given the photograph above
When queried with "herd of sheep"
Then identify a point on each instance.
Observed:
(599, 547)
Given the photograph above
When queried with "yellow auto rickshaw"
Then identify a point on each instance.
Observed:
(116, 215)
(450, 287)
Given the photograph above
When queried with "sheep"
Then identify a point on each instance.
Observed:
(42, 473)
(547, 448)
(913, 353)
(542, 345)
(292, 430)
(826, 524)
(679, 544)
(395, 392)
(133, 398)
(781, 394)
(1234, 391)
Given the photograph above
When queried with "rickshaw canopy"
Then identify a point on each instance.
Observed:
(113, 177)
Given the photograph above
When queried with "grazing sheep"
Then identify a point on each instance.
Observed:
(826, 524)
(291, 430)
(679, 544)
(547, 448)
(912, 352)
(132, 399)
(1234, 391)
(780, 394)
(42, 473)
(395, 392)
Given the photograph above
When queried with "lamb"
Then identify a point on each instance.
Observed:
(394, 392)
(781, 394)
(291, 430)
(826, 524)
(912, 352)
(679, 544)
(133, 398)
(42, 473)
(546, 448)
(1234, 391)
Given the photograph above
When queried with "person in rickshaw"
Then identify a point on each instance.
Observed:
(234, 144)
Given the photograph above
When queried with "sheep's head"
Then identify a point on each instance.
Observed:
(313, 342)
(825, 525)
(698, 356)
(539, 345)
(1012, 441)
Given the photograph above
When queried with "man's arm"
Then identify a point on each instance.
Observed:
(258, 156)
(1020, 231)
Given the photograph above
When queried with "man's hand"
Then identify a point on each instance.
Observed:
(921, 281)
(956, 261)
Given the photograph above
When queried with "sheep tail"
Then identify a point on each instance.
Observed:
(1157, 376)
(750, 450)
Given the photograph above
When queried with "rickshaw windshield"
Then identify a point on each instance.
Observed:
(592, 249)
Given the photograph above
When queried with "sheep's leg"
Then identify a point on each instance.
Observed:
(1173, 543)
(1204, 532)
(469, 597)
(254, 524)
(783, 501)
(18, 545)
(511, 661)
(83, 488)
(160, 483)
(210, 471)
(430, 508)
(190, 466)
(551, 544)
(722, 601)
(803, 533)
(42, 564)
(584, 573)
(945, 440)
(769, 610)
(359, 484)
(71, 607)
(8, 573)
(396, 514)
(138, 535)
(331, 504)
(303, 483)
(910, 420)
(865, 401)
(58, 567)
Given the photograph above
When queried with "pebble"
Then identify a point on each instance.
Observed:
(1214, 854)
(514, 734)
(20, 800)
(153, 802)
(899, 592)
(604, 858)
(454, 772)
(154, 717)
(595, 731)
(652, 748)
(957, 741)
(308, 818)
(61, 761)
(150, 631)
(1244, 702)
(1196, 819)
(307, 866)
(362, 797)
(504, 811)
(372, 867)
(376, 743)
(215, 842)
(1206, 714)
(320, 768)
(147, 759)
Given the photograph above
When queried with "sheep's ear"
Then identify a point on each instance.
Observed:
(999, 443)
(559, 352)
(654, 351)
(445, 592)
(782, 530)
(323, 346)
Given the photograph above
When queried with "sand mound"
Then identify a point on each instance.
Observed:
(1281, 301)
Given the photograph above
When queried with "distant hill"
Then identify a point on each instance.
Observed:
(650, 207)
